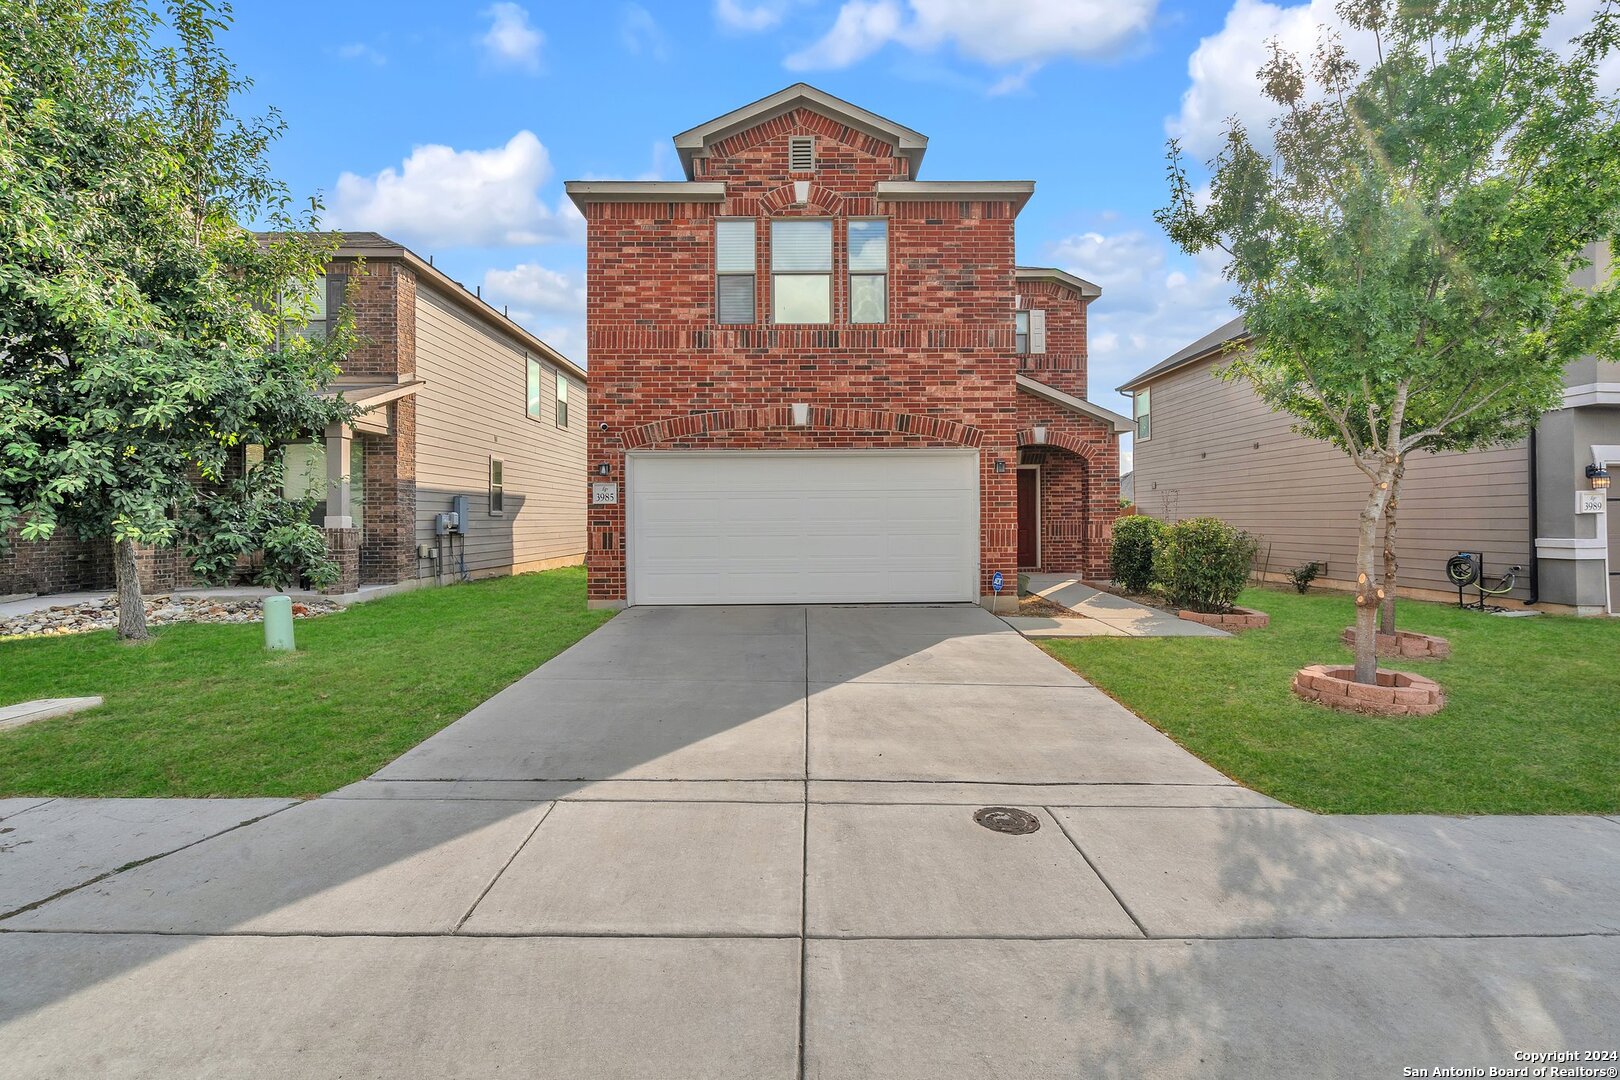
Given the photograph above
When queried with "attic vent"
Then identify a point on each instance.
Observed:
(802, 154)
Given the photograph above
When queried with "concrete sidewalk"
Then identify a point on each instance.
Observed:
(741, 843)
(1099, 614)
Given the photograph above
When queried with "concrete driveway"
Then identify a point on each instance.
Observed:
(740, 843)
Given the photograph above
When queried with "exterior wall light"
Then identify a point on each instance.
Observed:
(604, 469)
(1599, 476)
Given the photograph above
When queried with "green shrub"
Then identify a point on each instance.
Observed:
(1202, 564)
(1132, 555)
(1302, 576)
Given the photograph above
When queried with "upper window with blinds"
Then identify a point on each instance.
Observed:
(868, 270)
(801, 270)
(734, 270)
(802, 154)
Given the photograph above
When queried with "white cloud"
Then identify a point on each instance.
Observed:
(510, 40)
(441, 196)
(359, 50)
(1154, 301)
(750, 18)
(1222, 71)
(996, 32)
(535, 289)
(640, 33)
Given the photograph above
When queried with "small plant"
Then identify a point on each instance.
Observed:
(1302, 576)
(1202, 564)
(1132, 554)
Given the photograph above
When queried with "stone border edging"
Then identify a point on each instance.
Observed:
(1405, 643)
(1398, 693)
(1239, 618)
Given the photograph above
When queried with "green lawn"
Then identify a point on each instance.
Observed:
(1531, 725)
(204, 710)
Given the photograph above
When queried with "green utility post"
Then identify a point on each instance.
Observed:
(278, 623)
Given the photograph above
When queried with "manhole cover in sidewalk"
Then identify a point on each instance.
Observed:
(1005, 819)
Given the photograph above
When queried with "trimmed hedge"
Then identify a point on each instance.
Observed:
(1132, 554)
(1202, 564)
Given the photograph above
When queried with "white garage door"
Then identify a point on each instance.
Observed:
(791, 527)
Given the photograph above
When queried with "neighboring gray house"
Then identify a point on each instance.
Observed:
(1205, 446)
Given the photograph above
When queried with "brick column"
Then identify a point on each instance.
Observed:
(344, 547)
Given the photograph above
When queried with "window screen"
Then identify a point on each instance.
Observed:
(801, 271)
(734, 267)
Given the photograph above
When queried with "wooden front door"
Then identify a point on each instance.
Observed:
(1029, 519)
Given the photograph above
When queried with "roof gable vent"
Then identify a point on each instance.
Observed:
(802, 154)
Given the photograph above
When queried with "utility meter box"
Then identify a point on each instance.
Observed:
(460, 517)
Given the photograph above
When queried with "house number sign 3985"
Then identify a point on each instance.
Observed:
(604, 494)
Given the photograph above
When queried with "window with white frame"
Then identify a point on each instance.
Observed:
(1029, 331)
(734, 270)
(1021, 332)
(532, 406)
(1144, 414)
(497, 489)
(562, 400)
(868, 270)
(801, 270)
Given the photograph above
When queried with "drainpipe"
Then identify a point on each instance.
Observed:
(1535, 578)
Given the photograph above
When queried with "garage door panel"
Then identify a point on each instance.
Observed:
(803, 528)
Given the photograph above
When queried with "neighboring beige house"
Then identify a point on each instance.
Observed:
(1205, 446)
(464, 409)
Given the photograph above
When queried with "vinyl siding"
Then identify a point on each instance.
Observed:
(472, 408)
(1302, 497)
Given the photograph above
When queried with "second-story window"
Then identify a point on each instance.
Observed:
(734, 270)
(1029, 331)
(532, 406)
(868, 271)
(562, 400)
(1144, 414)
(801, 271)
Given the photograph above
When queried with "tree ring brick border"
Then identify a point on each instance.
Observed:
(1398, 693)
(1239, 618)
(1405, 643)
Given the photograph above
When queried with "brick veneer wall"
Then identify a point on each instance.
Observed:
(382, 295)
(64, 563)
(1079, 486)
(938, 373)
(1063, 365)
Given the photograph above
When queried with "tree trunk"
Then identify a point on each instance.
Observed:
(131, 605)
(1386, 611)
(1368, 594)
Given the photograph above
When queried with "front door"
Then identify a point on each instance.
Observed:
(1029, 519)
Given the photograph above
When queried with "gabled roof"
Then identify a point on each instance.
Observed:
(377, 246)
(695, 142)
(1211, 342)
(1119, 424)
(1062, 277)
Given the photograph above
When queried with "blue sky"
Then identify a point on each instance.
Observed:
(451, 127)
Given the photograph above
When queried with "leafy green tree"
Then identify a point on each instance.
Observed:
(146, 336)
(1402, 251)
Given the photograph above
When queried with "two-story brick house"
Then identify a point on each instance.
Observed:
(817, 379)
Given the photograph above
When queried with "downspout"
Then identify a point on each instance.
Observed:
(1535, 578)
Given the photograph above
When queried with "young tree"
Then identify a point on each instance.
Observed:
(1402, 252)
(146, 337)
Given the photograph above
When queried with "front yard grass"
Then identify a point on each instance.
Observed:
(1531, 725)
(203, 710)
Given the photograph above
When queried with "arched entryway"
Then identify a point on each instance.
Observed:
(1064, 519)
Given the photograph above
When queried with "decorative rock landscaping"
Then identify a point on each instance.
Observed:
(1239, 618)
(1405, 643)
(1398, 693)
(102, 614)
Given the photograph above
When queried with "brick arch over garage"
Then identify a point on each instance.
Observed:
(936, 429)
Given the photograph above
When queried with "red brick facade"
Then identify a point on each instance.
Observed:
(939, 373)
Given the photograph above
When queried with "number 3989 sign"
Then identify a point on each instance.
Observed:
(604, 494)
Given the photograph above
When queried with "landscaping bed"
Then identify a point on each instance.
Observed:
(1530, 723)
(203, 710)
(102, 614)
